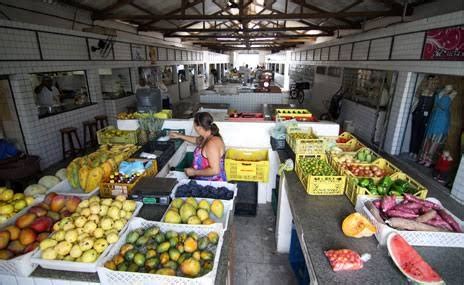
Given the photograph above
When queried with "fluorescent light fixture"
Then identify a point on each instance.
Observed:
(263, 39)
(313, 32)
(226, 39)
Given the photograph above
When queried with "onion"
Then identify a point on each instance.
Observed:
(378, 173)
(375, 168)
(370, 174)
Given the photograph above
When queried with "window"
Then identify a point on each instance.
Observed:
(321, 69)
(57, 92)
(115, 83)
(334, 71)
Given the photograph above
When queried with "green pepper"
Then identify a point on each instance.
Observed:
(373, 190)
(364, 182)
(411, 190)
(382, 190)
(396, 188)
(396, 193)
(386, 182)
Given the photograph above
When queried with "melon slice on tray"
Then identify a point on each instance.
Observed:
(411, 264)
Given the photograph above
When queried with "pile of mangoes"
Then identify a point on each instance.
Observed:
(316, 167)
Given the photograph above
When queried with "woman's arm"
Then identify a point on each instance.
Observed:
(190, 139)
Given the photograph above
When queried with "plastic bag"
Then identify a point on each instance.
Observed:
(130, 168)
(345, 259)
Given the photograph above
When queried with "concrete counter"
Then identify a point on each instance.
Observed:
(318, 224)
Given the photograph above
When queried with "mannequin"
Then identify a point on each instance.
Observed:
(437, 125)
(421, 109)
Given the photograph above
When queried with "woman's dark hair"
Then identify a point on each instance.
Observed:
(205, 120)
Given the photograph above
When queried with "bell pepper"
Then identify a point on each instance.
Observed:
(364, 182)
(386, 182)
(373, 190)
(395, 193)
(382, 190)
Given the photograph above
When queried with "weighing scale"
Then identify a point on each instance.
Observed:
(153, 190)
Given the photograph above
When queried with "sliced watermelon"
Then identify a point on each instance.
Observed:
(410, 262)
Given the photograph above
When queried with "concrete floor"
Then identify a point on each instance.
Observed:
(255, 259)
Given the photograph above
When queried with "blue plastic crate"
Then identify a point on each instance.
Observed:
(296, 259)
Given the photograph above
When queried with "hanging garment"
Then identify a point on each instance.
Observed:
(419, 122)
(438, 124)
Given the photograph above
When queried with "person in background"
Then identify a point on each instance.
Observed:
(246, 74)
(47, 94)
(208, 157)
(142, 84)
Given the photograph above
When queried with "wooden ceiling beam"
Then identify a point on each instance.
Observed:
(282, 36)
(303, 3)
(118, 4)
(173, 12)
(261, 29)
(255, 17)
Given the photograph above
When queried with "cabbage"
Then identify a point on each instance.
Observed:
(34, 190)
(61, 174)
(49, 181)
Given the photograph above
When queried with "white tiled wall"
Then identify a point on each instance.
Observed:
(55, 46)
(16, 43)
(380, 48)
(113, 107)
(408, 46)
(360, 50)
(122, 51)
(399, 111)
(333, 54)
(345, 51)
(458, 186)
(247, 102)
(325, 54)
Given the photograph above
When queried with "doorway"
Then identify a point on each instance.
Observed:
(10, 126)
(432, 85)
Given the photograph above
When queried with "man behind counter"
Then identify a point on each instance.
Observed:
(47, 94)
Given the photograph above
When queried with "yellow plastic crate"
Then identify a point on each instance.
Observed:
(335, 159)
(113, 189)
(358, 190)
(313, 146)
(320, 185)
(298, 114)
(352, 180)
(247, 165)
(125, 137)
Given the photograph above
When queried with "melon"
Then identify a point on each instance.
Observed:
(34, 190)
(61, 174)
(410, 262)
(49, 181)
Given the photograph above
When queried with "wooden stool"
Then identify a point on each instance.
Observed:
(102, 121)
(91, 127)
(69, 132)
(131, 109)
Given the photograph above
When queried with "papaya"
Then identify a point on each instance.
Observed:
(107, 169)
(72, 174)
(83, 176)
(94, 178)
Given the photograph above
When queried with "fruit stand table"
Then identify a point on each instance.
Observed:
(149, 212)
(318, 224)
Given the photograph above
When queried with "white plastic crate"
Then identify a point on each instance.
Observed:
(128, 125)
(80, 266)
(419, 238)
(64, 188)
(18, 266)
(111, 277)
(224, 221)
(216, 184)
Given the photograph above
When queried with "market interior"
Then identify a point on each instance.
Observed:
(231, 142)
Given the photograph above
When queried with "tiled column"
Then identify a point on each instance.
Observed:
(458, 186)
(399, 111)
(134, 73)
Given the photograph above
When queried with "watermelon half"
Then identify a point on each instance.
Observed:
(410, 262)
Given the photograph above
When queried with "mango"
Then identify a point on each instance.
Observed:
(192, 201)
(90, 256)
(14, 232)
(204, 205)
(217, 208)
(5, 254)
(202, 214)
(177, 203)
(190, 245)
(190, 267)
(163, 247)
(151, 263)
(172, 217)
(166, 271)
(25, 220)
(213, 237)
(186, 211)
(27, 236)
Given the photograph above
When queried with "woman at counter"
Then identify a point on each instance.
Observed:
(208, 157)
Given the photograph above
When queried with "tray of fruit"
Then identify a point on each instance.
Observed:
(13, 205)
(198, 211)
(22, 235)
(111, 135)
(318, 177)
(422, 222)
(80, 240)
(362, 156)
(158, 253)
(205, 189)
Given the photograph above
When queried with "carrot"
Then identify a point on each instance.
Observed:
(405, 224)
(427, 216)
